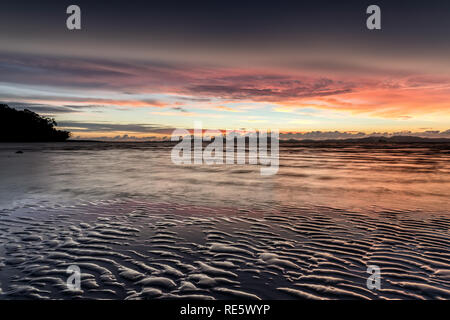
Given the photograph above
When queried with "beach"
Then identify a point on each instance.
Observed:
(140, 227)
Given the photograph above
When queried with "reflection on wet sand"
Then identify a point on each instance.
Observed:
(139, 227)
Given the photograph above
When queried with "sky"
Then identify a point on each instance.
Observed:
(139, 69)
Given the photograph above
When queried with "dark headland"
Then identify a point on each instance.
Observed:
(27, 126)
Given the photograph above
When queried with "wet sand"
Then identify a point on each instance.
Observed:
(309, 232)
(137, 250)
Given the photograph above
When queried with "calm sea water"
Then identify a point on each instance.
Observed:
(355, 177)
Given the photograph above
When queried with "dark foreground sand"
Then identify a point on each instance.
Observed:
(139, 250)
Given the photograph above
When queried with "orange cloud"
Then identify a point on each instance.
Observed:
(402, 101)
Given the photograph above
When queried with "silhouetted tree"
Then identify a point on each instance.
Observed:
(27, 126)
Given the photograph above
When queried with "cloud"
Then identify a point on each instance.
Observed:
(42, 108)
(83, 127)
(74, 102)
(270, 88)
(77, 81)
(90, 74)
(179, 109)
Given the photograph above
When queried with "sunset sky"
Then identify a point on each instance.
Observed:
(142, 69)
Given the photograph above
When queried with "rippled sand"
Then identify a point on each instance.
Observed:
(138, 250)
(139, 227)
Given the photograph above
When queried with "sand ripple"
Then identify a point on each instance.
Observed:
(138, 250)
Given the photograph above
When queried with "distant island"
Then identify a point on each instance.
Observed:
(27, 126)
